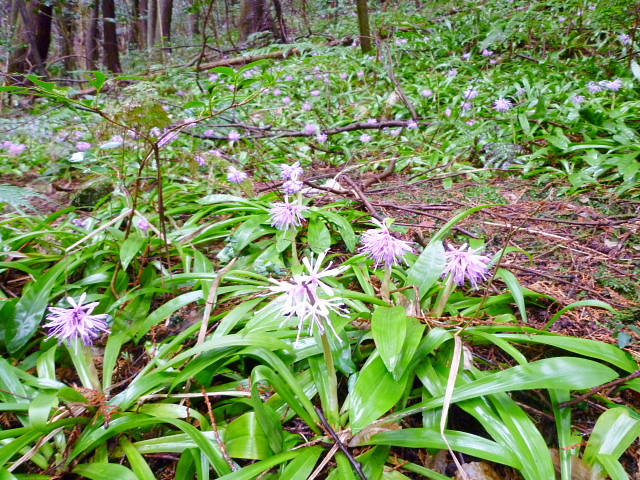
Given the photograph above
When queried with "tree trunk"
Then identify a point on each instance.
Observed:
(363, 24)
(143, 14)
(111, 58)
(280, 16)
(165, 13)
(93, 37)
(152, 21)
(134, 24)
(67, 25)
(33, 32)
(194, 19)
(254, 17)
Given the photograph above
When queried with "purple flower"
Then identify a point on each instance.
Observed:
(82, 146)
(493, 61)
(502, 105)
(578, 99)
(343, 76)
(291, 172)
(471, 123)
(463, 264)
(80, 223)
(233, 135)
(466, 105)
(487, 53)
(382, 247)
(277, 92)
(315, 93)
(470, 93)
(614, 85)
(364, 138)
(307, 106)
(562, 19)
(143, 224)
(168, 138)
(236, 176)
(453, 72)
(209, 133)
(291, 187)
(117, 138)
(395, 133)
(412, 125)
(200, 159)
(285, 215)
(213, 77)
(624, 39)
(286, 100)
(594, 87)
(18, 149)
(372, 121)
(322, 137)
(466, 56)
(69, 324)
(310, 129)
(289, 78)
(427, 93)
(448, 112)
(360, 74)
(307, 297)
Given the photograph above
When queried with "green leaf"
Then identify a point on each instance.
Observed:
(459, 441)
(344, 227)
(130, 249)
(635, 69)
(374, 393)
(243, 438)
(613, 467)
(516, 290)
(560, 372)
(318, 235)
(427, 268)
(39, 409)
(48, 86)
(100, 78)
(194, 104)
(104, 471)
(167, 309)
(389, 328)
(138, 464)
(581, 303)
(613, 433)
(302, 466)
(31, 308)
(251, 471)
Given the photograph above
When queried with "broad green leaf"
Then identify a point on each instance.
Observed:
(560, 372)
(583, 346)
(138, 464)
(130, 249)
(243, 438)
(613, 433)
(344, 469)
(99, 79)
(375, 393)
(344, 227)
(236, 315)
(425, 472)
(250, 230)
(30, 308)
(441, 234)
(635, 69)
(318, 235)
(459, 441)
(427, 268)
(563, 426)
(613, 467)
(373, 461)
(166, 310)
(302, 466)
(48, 86)
(516, 290)
(111, 354)
(104, 471)
(389, 328)
(251, 471)
(39, 409)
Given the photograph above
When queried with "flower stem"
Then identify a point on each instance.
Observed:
(332, 410)
(443, 297)
(294, 248)
(385, 288)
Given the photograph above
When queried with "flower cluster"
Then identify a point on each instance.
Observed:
(463, 263)
(307, 297)
(236, 176)
(70, 324)
(285, 215)
(14, 149)
(382, 247)
(502, 105)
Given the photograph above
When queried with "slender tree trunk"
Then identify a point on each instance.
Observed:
(134, 24)
(152, 19)
(254, 17)
(91, 43)
(143, 13)
(66, 23)
(165, 14)
(33, 37)
(280, 16)
(111, 58)
(363, 24)
(194, 19)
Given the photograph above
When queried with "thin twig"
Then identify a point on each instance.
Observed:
(356, 464)
(211, 301)
(367, 204)
(214, 425)
(597, 390)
